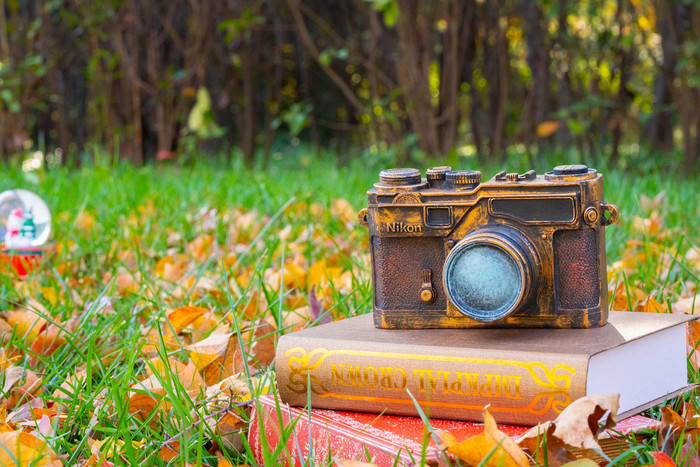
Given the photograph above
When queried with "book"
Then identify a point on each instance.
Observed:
(320, 434)
(526, 376)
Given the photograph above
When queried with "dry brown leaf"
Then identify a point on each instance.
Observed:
(145, 397)
(24, 391)
(260, 344)
(232, 386)
(687, 305)
(226, 364)
(201, 247)
(71, 387)
(296, 319)
(556, 453)
(577, 426)
(229, 428)
(52, 337)
(170, 451)
(186, 373)
(342, 210)
(28, 321)
(672, 428)
(204, 352)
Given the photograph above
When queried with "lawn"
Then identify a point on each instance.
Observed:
(134, 342)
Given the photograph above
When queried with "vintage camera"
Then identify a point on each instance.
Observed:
(520, 250)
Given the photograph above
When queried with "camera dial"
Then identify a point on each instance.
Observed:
(570, 173)
(463, 178)
(400, 177)
(489, 274)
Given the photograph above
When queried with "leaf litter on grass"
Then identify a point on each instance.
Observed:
(149, 344)
(203, 317)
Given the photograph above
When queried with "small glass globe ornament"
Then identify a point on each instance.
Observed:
(25, 226)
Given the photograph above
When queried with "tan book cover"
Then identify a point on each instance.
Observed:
(525, 375)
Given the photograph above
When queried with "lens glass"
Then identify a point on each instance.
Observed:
(484, 281)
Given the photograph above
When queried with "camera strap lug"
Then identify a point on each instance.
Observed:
(427, 292)
(612, 211)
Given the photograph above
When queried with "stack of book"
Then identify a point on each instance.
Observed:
(525, 376)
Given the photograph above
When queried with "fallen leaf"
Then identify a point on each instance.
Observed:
(687, 305)
(342, 210)
(502, 449)
(23, 449)
(182, 317)
(661, 459)
(556, 454)
(85, 221)
(170, 451)
(547, 128)
(577, 427)
(650, 305)
(204, 352)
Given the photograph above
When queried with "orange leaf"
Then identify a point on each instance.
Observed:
(85, 221)
(547, 128)
(661, 459)
(204, 352)
(650, 305)
(185, 315)
(342, 210)
(504, 450)
(169, 452)
(24, 449)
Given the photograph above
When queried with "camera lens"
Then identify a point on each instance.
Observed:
(488, 274)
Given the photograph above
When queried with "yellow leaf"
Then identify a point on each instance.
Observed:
(475, 450)
(182, 317)
(204, 352)
(652, 306)
(23, 449)
(85, 221)
(342, 210)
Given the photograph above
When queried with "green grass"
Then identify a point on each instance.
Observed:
(138, 216)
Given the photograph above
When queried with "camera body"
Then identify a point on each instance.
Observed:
(519, 250)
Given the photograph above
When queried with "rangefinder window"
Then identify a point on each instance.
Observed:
(530, 210)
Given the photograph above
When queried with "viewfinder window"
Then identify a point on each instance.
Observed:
(439, 216)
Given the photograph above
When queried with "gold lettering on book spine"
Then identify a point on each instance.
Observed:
(554, 382)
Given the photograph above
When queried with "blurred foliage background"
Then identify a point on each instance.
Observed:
(405, 80)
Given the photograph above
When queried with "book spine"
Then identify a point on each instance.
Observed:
(521, 388)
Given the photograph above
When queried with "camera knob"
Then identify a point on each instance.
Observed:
(399, 177)
(572, 169)
(437, 173)
(463, 178)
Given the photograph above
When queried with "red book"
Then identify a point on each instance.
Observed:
(323, 434)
